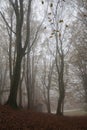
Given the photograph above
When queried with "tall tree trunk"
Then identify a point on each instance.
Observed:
(18, 9)
(15, 83)
(20, 83)
(20, 94)
(60, 105)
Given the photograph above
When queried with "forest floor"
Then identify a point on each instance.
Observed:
(11, 119)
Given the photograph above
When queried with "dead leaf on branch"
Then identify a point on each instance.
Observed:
(85, 15)
(52, 33)
(49, 13)
(50, 20)
(55, 30)
(66, 25)
(51, 37)
(51, 5)
(44, 27)
(42, 2)
(61, 21)
(59, 34)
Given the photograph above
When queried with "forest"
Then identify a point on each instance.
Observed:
(43, 63)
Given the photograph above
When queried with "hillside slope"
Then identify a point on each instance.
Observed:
(28, 120)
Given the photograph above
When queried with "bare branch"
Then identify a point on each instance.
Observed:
(21, 11)
(6, 22)
(27, 42)
(28, 31)
(15, 6)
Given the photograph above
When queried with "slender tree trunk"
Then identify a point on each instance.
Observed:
(48, 104)
(61, 99)
(28, 82)
(84, 80)
(1, 87)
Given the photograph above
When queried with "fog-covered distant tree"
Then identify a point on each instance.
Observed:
(46, 80)
(79, 42)
(3, 78)
(58, 30)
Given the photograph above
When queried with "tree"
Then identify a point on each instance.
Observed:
(58, 32)
(79, 42)
(3, 77)
(46, 80)
(18, 9)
